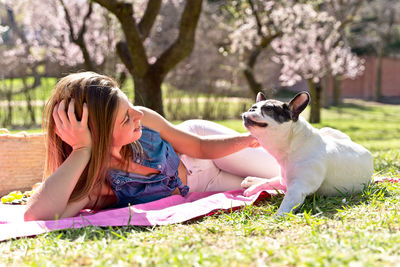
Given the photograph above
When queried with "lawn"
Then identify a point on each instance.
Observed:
(356, 230)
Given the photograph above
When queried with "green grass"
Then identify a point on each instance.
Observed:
(357, 230)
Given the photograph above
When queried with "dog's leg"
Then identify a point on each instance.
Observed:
(294, 197)
(256, 184)
(297, 191)
(302, 180)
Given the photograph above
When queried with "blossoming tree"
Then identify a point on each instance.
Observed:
(252, 19)
(309, 47)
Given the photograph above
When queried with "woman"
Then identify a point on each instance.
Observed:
(104, 152)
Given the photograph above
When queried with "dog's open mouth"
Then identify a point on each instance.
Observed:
(250, 122)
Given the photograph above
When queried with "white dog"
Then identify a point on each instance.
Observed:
(324, 161)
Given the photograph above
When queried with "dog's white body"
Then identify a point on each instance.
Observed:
(323, 161)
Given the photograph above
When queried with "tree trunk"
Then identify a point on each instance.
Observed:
(86, 56)
(254, 86)
(315, 92)
(8, 119)
(378, 91)
(121, 79)
(148, 92)
(266, 40)
(149, 77)
(28, 98)
(248, 72)
(337, 99)
(325, 100)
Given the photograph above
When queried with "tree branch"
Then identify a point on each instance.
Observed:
(36, 82)
(254, 11)
(124, 12)
(69, 21)
(85, 19)
(149, 17)
(184, 44)
(124, 55)
(350, 17)
(265, 42)
(14, 26)
(78, 39)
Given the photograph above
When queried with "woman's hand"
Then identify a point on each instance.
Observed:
(252, 141)
(73, 132)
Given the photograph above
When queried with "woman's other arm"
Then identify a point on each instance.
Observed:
(206, 147)
(50, 200)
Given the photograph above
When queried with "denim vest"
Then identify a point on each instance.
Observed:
(130, 188)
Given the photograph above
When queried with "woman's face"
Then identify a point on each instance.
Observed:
(127, 127)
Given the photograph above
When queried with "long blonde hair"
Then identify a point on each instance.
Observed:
(100, 93)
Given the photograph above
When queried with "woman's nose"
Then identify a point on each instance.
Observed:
(136, 114)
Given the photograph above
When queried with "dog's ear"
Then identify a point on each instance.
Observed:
(260, 97)
(298, 104)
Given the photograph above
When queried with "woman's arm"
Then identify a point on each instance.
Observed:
(205, 147)
(50, 200)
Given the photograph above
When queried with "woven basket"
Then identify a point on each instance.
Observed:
(22, 158)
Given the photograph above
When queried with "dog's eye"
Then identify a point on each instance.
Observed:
(253, 108)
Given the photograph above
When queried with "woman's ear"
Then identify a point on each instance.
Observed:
(298, 104)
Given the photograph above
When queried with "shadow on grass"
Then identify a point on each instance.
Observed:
(360, 107)
(328, 206)
(93, 233)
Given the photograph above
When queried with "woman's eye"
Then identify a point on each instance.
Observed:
(127, 119)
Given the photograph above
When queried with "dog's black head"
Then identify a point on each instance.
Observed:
(273, 112)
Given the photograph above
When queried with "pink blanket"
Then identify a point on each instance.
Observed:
(173, 209)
